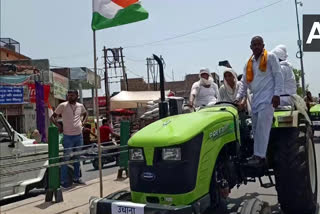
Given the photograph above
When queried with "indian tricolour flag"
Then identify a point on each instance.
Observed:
(111, 13)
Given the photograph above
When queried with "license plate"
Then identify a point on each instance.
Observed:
(316, 123)
(123, 207)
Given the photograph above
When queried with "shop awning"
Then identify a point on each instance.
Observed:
(14, 80)
(131, 99)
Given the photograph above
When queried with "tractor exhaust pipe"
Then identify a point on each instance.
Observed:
(163, 105)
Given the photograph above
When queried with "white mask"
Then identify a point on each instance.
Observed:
(204, 81)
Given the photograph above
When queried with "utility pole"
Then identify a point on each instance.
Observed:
(106, 82)
(148, 77)
(124, 70)
(172, 75)
(300, 53)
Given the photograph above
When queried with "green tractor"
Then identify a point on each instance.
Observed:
(315, 117)
(189, 163)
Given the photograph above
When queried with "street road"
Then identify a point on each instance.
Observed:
(89, 173)
(236, 197)
(269, 195)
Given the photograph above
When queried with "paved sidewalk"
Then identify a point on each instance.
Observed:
(76, 200)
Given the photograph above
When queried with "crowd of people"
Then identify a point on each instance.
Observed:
(267, 76)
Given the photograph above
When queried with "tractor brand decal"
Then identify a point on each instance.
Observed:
(226, 129)
(166, 123)
(148, 176)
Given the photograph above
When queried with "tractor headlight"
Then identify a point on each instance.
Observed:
(171, 154)
(136, 154)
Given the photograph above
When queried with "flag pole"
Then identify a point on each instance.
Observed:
(97, 110)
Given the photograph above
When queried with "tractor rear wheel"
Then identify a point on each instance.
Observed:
(254, 206)
(295, 170)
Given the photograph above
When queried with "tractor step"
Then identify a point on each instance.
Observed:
(252, 172)
(267, 185)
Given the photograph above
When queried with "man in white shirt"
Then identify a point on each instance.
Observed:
(262, 75)
(204, 91)
(290, 84)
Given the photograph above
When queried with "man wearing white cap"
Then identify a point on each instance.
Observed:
(290, 84)
(204, 91)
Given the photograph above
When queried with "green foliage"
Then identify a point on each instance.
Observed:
(297, 74)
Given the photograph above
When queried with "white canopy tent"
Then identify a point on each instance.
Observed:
(133, 99)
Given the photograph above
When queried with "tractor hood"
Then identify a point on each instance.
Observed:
(315, 108)
(181, 128)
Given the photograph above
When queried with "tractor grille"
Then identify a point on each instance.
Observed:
(169, 177)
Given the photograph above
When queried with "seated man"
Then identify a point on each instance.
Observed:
(309, 100)
(86, 133)
(106, 131)
(204, 91)
(228, 91)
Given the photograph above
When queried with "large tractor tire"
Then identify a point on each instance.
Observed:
(295, 170)
(254, 206)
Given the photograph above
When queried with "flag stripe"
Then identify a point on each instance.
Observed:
(132, 13)
(125, 3)
(108, 10)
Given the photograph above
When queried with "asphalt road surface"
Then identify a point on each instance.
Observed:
(236, 197)
(88, 173)
(268, 195)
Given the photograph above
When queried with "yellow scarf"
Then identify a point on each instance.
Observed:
(262, 66)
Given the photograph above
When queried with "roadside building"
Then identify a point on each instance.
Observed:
(180, 88)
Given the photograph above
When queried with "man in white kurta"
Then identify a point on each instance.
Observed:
(290, 84)
(266, 87)
(204, 91)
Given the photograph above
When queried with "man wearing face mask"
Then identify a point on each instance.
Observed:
(204, 91)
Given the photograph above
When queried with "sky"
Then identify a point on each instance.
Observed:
(60, 30)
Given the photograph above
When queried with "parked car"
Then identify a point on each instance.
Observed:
(14, 148)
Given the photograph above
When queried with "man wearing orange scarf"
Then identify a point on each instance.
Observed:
(262, 75)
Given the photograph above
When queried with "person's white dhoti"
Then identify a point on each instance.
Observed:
(261, 126)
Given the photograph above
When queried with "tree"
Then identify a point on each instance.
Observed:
(297, 74)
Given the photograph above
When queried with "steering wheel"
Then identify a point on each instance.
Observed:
(191, 107)
(226, 102)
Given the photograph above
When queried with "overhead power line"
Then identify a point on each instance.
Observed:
(130, 71)
(205, 28)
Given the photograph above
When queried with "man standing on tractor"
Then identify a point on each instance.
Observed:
(263, 76)
(290, 84)
(204, 91)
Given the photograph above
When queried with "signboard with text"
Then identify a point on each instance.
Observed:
(311, 33)
(32, 92)
(11, 94)
(60, 85)
(102, 101)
